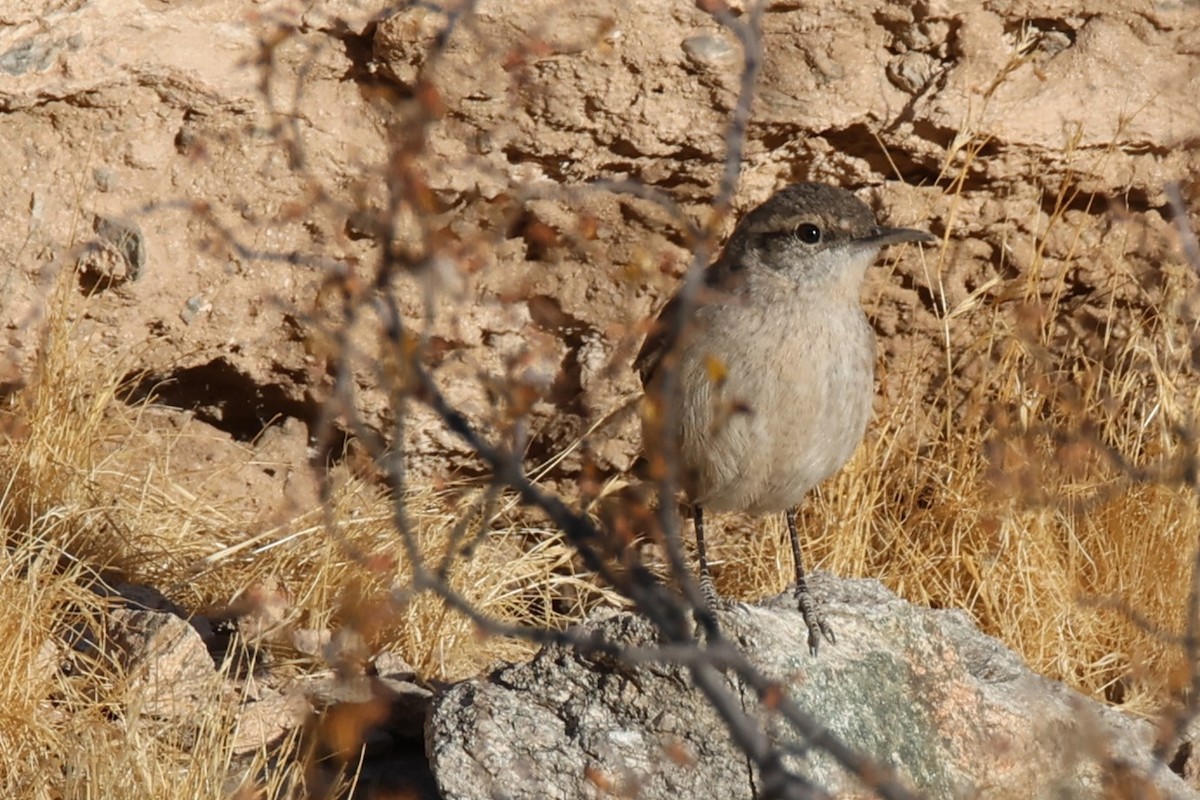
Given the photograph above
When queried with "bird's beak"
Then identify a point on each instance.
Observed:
(880, 236)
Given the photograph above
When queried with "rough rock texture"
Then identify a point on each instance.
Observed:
(165, 663)
(922, 691)
(130, 131)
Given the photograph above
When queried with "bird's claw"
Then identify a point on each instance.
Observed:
(814, 620)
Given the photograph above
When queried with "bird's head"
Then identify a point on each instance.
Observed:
(814, 235)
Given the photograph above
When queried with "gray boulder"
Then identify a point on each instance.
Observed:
(953, 711)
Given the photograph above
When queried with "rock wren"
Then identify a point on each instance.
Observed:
(775, 364)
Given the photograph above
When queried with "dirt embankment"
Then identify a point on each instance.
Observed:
(1038, 146)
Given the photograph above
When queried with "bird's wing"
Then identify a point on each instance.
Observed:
(667, 328)
(661, 338)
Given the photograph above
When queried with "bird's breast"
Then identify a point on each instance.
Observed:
(775, 399)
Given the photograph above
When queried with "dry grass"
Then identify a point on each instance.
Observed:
(1007, 507)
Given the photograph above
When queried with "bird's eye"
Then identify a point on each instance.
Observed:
(808, 233)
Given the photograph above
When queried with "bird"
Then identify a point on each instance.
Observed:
(773, 365)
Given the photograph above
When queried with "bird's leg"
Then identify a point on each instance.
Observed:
(809, 609)
(706, 616)
(706, 584)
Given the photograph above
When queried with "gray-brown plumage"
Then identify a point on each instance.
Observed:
(775, 364)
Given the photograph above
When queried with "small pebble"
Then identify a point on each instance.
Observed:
(706, 49)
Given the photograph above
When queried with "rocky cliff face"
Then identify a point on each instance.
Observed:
(206, 169)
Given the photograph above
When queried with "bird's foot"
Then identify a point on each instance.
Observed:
(814, 619)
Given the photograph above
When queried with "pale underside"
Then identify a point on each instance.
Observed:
(792, 407)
